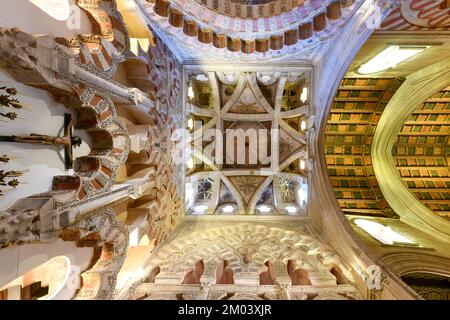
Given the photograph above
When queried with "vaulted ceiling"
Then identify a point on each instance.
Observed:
(265, 163)
(354, 116)
(266, 29)
(260, 29)
(422, 153)
(422, 149)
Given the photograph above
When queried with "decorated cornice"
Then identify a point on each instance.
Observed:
(405, 262)
(251, 9)
(308, 11)
(419, 15)
(300, 30)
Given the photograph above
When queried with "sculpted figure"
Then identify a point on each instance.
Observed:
(68, 141)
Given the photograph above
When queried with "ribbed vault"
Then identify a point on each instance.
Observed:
(265, 162)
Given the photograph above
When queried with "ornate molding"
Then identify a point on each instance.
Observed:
(414, 91)
(303, 29)
(403, 263)
(246, 247)
(327, 214)
(101, 230)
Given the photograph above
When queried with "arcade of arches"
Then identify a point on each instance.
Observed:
(187, 149)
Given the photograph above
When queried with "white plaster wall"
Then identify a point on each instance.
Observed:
(25, 15)
(39, 162)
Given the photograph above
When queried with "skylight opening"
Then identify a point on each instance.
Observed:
(390, 57)
(383, 233)
(228, 209)
(291, 210)
(200, 209)
(264, 209)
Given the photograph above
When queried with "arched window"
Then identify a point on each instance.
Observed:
(57, 9)
(383, 233)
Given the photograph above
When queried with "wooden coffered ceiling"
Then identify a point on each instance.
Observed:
(354, 116)
(422, 153)
(422, 147)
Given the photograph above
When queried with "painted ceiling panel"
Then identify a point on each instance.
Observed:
(264, 166)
